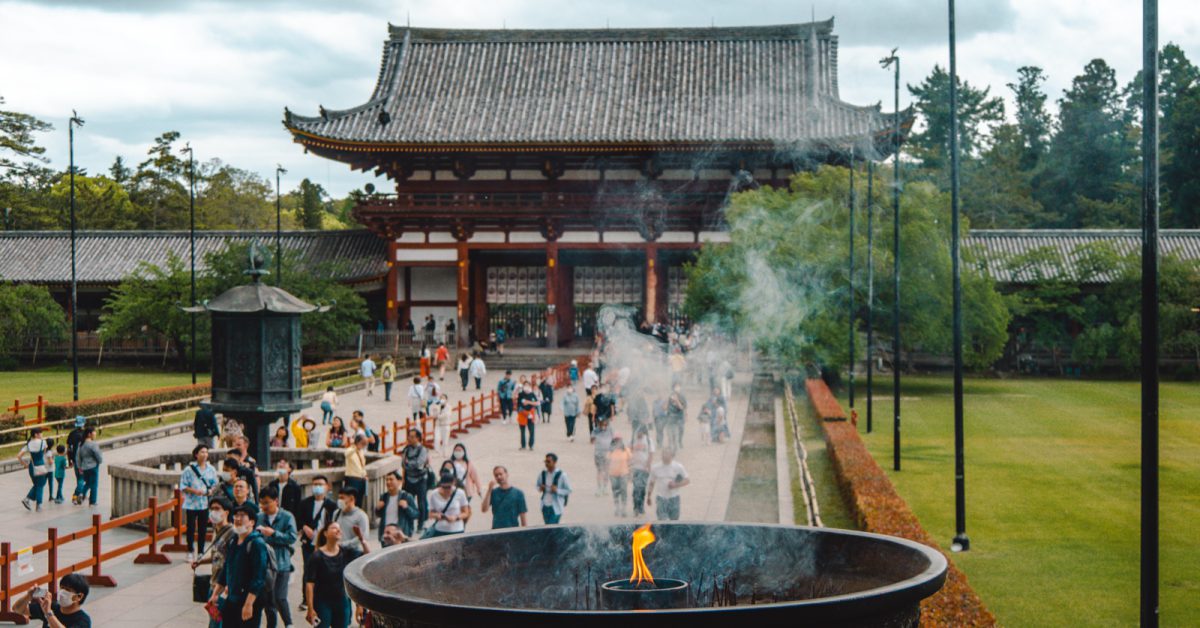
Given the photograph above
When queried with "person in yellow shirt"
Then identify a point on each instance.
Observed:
(356, 465)
(302, 427)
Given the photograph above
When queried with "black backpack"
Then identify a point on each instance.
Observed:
(554, 482)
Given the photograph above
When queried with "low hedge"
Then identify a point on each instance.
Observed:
(113, 403)
(877, 507)
(10, 420)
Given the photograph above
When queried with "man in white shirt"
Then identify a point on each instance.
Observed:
(477, 370)
(367, 370)
(416, 398)
(590, 379)
(555, 489)
(666, 479)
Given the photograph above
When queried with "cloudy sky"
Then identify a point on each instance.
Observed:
(221, 71)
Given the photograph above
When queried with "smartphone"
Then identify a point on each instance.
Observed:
(39, 592)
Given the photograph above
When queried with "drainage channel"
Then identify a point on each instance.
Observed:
(754, 497)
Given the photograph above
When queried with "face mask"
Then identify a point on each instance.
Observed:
(242, 530)
(216, 516)
(65, 597)
(318, 490)
(282, 473)
(345, 504)
(458, 455)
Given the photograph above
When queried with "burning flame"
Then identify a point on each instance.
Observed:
(641, 538)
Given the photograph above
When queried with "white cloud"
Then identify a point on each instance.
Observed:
(221, 72)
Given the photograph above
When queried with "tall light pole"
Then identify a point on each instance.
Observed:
(886, 62)
(192, 242)
(278, 228)
(71, 124)
(850, 310)
(870, 294)
(1149, 505)
(961, 543)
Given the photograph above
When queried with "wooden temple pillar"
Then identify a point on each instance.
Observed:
(656, 286)
(463, 296)
(393, 297)
(552, 283)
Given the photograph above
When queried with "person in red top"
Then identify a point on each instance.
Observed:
(441, 358)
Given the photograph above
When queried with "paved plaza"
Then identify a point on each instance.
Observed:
(160, 595)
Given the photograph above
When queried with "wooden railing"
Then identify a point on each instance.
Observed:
(9, 591)
(40, 404)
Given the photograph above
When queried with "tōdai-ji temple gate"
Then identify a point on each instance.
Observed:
(542, 173)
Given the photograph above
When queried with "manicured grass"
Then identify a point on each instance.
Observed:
(1053, 477)
(54, 382)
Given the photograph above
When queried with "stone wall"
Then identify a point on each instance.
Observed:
(134, 483)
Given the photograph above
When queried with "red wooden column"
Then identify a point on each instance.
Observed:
(463, 296)
(656, 286)
(552, 294)
(393, 298)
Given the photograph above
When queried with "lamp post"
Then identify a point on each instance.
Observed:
(278, 228)
(1149, 506)
(961, 542)
(870, 295)
(887, 62)
(192, 243)
(71, 124)
(850, 274)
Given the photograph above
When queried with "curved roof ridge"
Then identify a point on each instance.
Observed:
(700, 33)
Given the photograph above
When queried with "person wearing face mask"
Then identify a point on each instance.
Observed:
(527, 407)
(288, 489)
(464, 472)
(196, 482)
(278, 528)
(353, 520)
(218, 516)
(244, 578)
(314, 513)
(64, 610)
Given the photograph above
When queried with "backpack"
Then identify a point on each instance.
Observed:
(272, 570)
(554, 482)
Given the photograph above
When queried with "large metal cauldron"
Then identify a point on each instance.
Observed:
(770, 575)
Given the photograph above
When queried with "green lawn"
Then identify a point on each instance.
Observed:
(1052, 472)
(54, 382)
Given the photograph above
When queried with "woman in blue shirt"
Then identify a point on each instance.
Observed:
(196, 483)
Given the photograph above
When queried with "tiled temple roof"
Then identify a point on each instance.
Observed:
(996, 248)
(760, 86)
(107, 257)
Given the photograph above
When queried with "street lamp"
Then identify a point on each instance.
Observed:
(870, 294)
(192, 242)
(961, 542)
(887, 62)
(71, 124)
(278, 228)
(1149, 501)
(850, 273)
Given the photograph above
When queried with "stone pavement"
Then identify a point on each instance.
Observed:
(160, 595)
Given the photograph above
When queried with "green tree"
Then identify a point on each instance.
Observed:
(1181, 146)
(158, 185)
(1034, 123)
(100, 203)
(1046, 307)
(782, 279)
(119, 172)
(997, 190)
(311, 207)
(24, 178)
(1088, 174)
(149, 301)
(16, 136)
(29, 312)
(976, 110)
(232, 198)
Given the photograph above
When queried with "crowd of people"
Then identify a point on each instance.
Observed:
(632, 402)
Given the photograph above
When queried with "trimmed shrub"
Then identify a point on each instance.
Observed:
(114, 403)
(10, 420)
(877, 507)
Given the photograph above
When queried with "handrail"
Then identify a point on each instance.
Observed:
(40, 404)
(54, 541)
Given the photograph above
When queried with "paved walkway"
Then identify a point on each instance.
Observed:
(161, 595)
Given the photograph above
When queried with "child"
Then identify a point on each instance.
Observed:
(720, 426)
(60, 472)
(618, 473)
